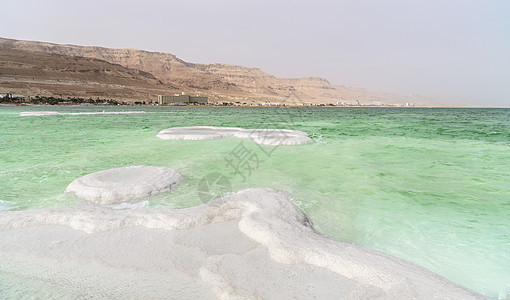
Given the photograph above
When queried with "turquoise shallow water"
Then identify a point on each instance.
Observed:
(431, 186)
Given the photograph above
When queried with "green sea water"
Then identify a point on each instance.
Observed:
(431, 186)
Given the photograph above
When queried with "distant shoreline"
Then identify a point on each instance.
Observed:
(264, 106)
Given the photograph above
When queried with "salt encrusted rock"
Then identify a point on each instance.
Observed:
(270, 137)
(124, 184)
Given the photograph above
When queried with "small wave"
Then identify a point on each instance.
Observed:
(7, 205)
(318, 138)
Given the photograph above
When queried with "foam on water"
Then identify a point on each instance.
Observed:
(55, 113)
(212, 249)
(269, 137)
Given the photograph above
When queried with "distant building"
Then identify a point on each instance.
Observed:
(269, 103)
(182, 99)
(12, 97)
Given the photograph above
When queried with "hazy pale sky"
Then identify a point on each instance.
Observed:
(456, 49)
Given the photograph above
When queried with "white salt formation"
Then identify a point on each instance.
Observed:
(54, 113)
(124, 184)
(270, 137)
(254, 244)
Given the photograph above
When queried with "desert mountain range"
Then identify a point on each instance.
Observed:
(46, 69)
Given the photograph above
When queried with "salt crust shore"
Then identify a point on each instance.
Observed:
(124, 184)
(54, 113)
(269, 137)
(251, 244)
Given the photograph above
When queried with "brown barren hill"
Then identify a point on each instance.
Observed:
(221, 82)
(44, 74)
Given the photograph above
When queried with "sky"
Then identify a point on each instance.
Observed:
(453, 49)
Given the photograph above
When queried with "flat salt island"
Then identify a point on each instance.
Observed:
(251, 244)
(124, 184)
(269, 137)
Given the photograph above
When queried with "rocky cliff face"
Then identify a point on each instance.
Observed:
(218, 81)
(38, 73)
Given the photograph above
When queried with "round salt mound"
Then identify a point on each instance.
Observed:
(124, 184)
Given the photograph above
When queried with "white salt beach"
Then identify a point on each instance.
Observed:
(251, 244)
(269, 137)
